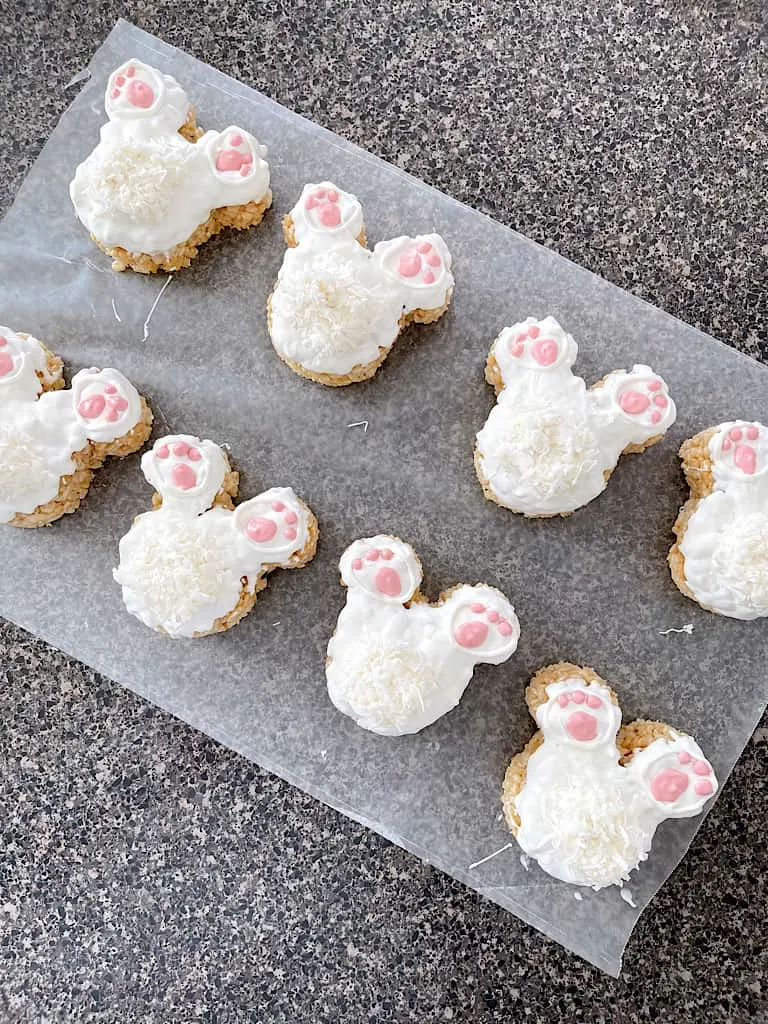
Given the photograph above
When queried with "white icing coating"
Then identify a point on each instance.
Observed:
(397, 669)
(145, 187)
(336, 305)
(184, 565)
(586, 819)
(39, 433)
(549, 441)
(725, 544)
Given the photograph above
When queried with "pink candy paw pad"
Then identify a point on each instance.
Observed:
(100, 402)
(325, 203)
(480, 622)
(180, 463)
(645, 400)
(133, 86)
(543, 350)
(8, 360)
(670, 784)
(419, 262)
(381, 570)
(276, 522)
(234, 154)
(742, 447)
(581, 724)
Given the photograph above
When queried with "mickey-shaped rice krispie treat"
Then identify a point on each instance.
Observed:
(550, 444)
(51, 439)
(397, 663)
(584, 797)
(195, 564)
(720, 558)
(337, 308)
(156, 187)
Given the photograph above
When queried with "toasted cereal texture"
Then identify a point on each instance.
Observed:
(238, 217)
(190, 130)
(74, 486)
(514, 780)
(640, 734)
(697, 468)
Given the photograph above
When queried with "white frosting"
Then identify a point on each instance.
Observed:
(397, 669)
(184, 565)
(39, 433)
(145, 187)
(336, 305)
(725, 544)
(583, 817)
(548, 441)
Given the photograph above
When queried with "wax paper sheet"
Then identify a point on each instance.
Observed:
(392, 455)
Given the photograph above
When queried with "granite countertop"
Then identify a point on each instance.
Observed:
(148, 874)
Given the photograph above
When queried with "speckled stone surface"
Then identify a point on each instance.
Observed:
(147, 874)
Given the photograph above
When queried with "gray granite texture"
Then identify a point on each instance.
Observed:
(147, 874)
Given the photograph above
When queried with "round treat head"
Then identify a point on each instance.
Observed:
(577, 714)
(105, 403)
(383, 567)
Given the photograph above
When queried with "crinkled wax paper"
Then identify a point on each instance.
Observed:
(593, 588)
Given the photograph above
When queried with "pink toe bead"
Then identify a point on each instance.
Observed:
(194, 454)
(357, 564)
(735, 434)
(562, 700)
(162, 452)
(277, 506)
(333, 195)
(373, 556)
(534, 332)
(478, 609)
(594, 701)
(387, 554)
(578, 697)
(291, 518)
(753, 433)
(505, 628)
(493, 616)
(684, 757)
(423, 247)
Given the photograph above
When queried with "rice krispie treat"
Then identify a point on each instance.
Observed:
(720, 557)
(397, 663)
(195, 564)
(156, 186)
(337, 308)
(51, 439)
(584, 797)
(550, 444)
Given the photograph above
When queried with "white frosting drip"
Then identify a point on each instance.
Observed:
(336, 305)
(725, 544)
(583, 817)
(396, 670)
(146, 188)
(182, 567)
(548, 442)
(39, 433)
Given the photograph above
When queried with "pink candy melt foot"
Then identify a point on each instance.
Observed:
(387, 582)
(669, 785)
(183, 477)
(92, 407)
(140, 94)
(745, 458)
(261, 529)
(581, 726)
(409, 264)
(545, 351)
(471, 634)
(6, 364)
(633, 402)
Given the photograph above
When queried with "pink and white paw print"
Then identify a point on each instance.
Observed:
(482, 623)
(579, 714)
(185, 471)
(740, 450)
(383, 567)
(643, 398)
(537, 345)
(274, 523)
(134, 88)
(104, 402)
(326, 210)
(422, 263)
(676, 776)
(234, 154)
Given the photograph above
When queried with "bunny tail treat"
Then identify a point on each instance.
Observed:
(156, 187)
(397, 663)
(584, 798)
(337, 308)
(52, 440)
(195, 564)
(550, 444)
(720, 558)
